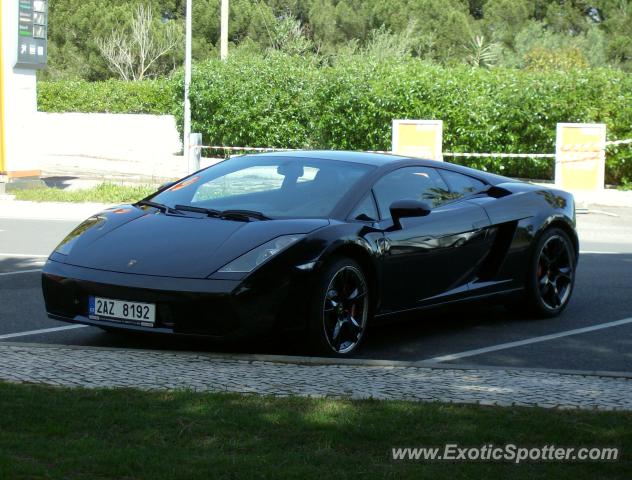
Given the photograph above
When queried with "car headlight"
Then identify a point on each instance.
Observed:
(255, 257)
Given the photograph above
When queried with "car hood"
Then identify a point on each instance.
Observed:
(134, 240)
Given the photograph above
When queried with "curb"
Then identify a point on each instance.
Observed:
(359, 362)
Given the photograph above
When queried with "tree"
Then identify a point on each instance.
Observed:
(82, 33)
(288, 36)
(537, 46)
(617, 23)
(133, 52)
(481, 53)
(503, 19)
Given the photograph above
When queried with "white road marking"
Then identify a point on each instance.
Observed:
(601, 212)
(528, 341)
(23, 255)
(17, 272)
(43, 330)
(595, 252)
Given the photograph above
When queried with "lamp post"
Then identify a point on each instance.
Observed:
(187, 83)
(188, 153)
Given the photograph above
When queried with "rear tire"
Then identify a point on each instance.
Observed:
(551, 276)
(339, 310)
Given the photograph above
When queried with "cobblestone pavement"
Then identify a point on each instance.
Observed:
(157, 370)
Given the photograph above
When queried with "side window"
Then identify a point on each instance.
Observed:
(411, 183)
(462, 184)
(365, 210)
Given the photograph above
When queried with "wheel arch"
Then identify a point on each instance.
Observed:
(563, 224)
(364, 258)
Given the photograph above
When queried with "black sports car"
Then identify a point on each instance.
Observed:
(317, 241)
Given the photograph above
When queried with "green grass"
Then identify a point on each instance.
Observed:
(103, 193)
(55, 433)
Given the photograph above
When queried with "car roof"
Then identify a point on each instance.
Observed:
(376, 159)
(386, 159)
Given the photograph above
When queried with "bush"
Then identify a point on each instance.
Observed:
(111, 96)
(294, 102)
(289, 102)
(260, 102)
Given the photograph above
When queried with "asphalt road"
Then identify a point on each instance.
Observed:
(470, 335)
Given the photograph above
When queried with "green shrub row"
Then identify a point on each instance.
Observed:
(110, 96)
(288, 102)
(291, 102)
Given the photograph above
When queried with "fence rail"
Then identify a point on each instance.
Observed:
(580, 149)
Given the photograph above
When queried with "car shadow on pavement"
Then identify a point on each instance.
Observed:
(602, 292)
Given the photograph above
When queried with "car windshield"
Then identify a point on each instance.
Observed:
(275, 186)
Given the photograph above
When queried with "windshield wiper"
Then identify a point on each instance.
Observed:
(240, 215)
(159, 206)
(243, 215)
(206, 211)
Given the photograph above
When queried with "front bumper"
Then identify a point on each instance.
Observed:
(216, 308)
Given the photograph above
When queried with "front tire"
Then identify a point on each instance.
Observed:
(340, 309)
(551, 274)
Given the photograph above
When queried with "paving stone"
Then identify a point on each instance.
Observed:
(97, 368)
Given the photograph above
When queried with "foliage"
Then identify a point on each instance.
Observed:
(481, 53)
(103, 193)
(436, 30)
(289, 36)
(287, 101)
(563, 59)
(111, 96)
(535, 42)
(251, 101)
(503, 19)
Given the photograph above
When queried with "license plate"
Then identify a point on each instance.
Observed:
(135, 313)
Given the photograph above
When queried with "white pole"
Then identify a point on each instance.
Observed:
(187, 83)
(224, 30)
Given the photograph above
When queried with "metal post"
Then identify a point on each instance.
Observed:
(2, 150)
(187, 83)
(196, 153)
(224, 30)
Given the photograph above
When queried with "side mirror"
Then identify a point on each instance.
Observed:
(408, 208)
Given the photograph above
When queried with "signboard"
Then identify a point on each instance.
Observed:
(580, 156)
(418, 138)
(32, 30)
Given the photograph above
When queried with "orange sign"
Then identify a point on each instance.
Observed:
(418, 138)
(580, 156)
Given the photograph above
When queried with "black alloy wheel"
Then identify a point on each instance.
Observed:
(552, 274)
(340, 319)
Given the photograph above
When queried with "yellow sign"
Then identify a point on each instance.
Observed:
(418, 138)
(580, 156)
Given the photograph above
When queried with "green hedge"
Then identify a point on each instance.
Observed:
(296, 103)
(289, 102)
(111, 96)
